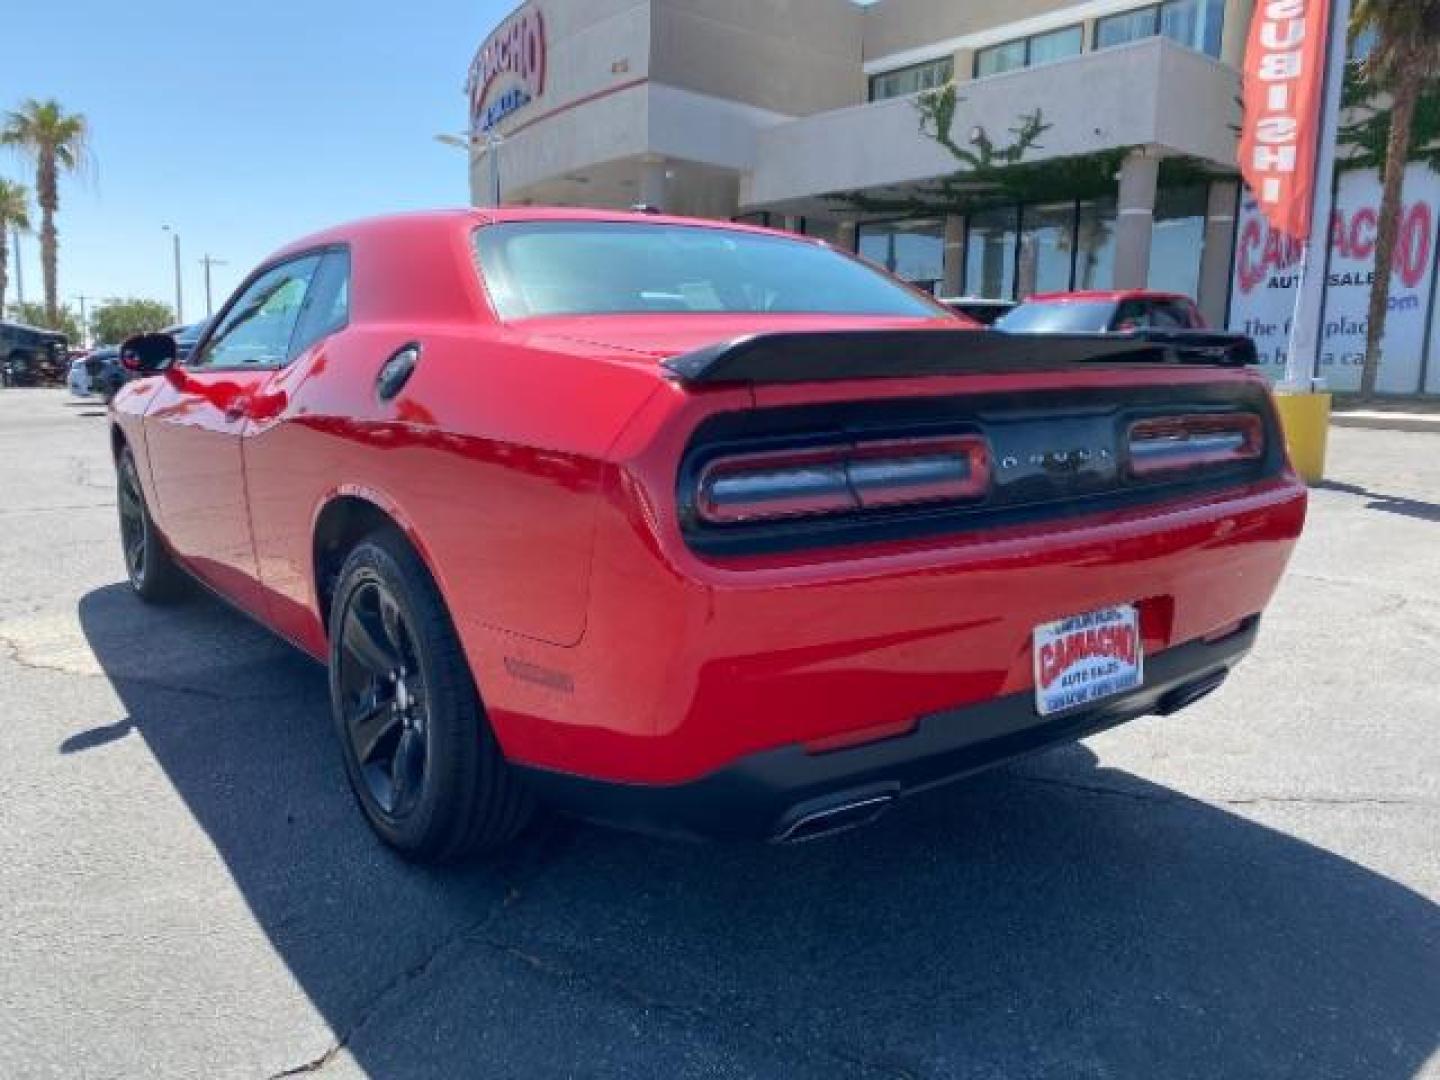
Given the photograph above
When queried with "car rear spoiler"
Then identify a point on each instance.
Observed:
(831, 356)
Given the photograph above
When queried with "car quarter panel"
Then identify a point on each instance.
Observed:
(489, 457)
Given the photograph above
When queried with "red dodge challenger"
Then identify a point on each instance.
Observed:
(691, 526)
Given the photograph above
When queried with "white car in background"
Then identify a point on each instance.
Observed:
(78, 380)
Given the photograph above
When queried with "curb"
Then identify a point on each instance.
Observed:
(1383, 421)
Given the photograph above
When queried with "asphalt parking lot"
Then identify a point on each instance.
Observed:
(1247, 889)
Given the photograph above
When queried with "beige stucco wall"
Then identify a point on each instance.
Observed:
(1150, 93)
(788, 56)
(893, 26)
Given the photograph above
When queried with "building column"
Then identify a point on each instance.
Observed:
(954, 256)
(1216, 258)
(1139, 174)
(652, 183)
(847, 236)
(790, 223)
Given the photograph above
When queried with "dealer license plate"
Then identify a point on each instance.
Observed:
(1083, 659)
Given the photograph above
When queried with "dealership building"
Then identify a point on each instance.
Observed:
(1118, 120)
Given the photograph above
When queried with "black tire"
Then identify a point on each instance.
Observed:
(421, 757)
(154, 574)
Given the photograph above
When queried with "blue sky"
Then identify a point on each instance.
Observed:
(242, 124)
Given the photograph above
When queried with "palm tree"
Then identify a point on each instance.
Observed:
(1404, 59)
(14, 214)
(55, 141)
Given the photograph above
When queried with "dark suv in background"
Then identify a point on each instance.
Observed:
(30, 356)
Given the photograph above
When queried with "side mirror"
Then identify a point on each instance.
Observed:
(146, 354)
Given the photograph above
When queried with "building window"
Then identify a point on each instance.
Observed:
(1047, 239)
(1029, 52)
(1095, 244)
(1178, 239)
(1196, 24)
(911, 250)
(990, 253)
(911, 80)
(1000, 58)
(1056, 45)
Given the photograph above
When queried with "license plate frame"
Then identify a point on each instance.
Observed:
(1083, 660)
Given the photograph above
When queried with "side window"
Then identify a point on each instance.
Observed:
(1170, 315)
(327, 308)
(256, 330)
(1133, 315)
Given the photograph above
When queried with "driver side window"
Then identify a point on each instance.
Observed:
(257, 329)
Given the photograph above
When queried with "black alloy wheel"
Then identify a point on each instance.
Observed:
(422, 759)
(151, 569)
(132, 520)
(386, 709)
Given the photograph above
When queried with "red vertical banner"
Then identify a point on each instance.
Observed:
(1284, 81)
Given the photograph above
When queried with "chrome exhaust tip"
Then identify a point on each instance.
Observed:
(837, 815)
(1190, 693)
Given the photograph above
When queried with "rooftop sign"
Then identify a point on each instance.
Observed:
(508, 71)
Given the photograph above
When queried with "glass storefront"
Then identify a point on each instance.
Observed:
(1012, 252)
(1047, 241)
(1178, 239)
(1095, 245)
(990, 253)
(913, 250)
(829, 231)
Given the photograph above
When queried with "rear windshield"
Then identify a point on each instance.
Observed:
(536, 268)
(1070, 317)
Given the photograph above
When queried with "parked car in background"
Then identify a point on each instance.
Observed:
(186, 335)
(30, 356)
(78, 379)
(1168, 322)
(979, 308)
(106, 373)
(1108, 311)
(690, 525)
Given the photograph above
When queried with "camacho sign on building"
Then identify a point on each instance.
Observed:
(508, 71)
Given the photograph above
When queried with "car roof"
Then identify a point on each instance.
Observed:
(1103, 295)
(473, 217)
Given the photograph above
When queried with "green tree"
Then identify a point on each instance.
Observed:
(34, 314)
(1403, 63)
(14, 214)
(55, 141)
(116, 320)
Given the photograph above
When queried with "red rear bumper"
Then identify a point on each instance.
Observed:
(688, 666)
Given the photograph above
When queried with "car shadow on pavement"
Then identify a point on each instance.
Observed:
(1390, 504)
(1053, 918)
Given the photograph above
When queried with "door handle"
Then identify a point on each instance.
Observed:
(396, 371)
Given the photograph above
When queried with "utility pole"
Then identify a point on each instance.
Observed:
(179, 295)
(208, 262)
(84, 322)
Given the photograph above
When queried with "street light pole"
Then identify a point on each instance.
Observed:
(208, 262)
(179, 295)
(490, 145)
